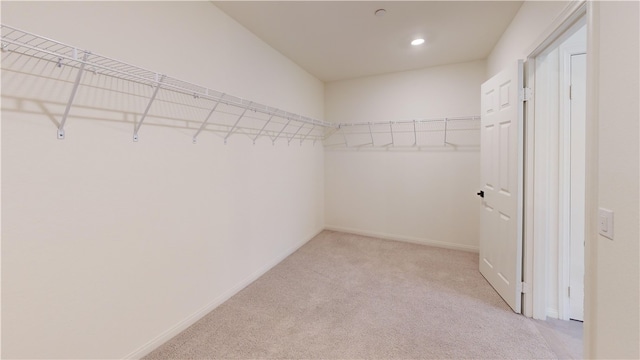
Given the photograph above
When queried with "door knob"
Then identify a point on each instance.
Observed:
(481, 194)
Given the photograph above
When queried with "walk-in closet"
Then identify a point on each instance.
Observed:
(371, 179)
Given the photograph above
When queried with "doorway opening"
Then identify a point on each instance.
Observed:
(556, 156)
(560, 112)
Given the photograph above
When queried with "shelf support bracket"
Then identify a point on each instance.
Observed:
(237, 121)
(371, 134)
(73, 93)
(294, 134)
(346, 144)
(146, 111)
(263, 127)
(391, 130)
(307, 134)
(445, 132)
(273, 142)
(204, 123)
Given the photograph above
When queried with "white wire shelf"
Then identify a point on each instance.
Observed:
(59, 77)
(454, 131)
(206, 109)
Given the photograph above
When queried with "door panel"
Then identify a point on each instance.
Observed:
(501, 161)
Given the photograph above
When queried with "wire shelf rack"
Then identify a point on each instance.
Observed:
(455, 131)
(155, 95)
(66, 77)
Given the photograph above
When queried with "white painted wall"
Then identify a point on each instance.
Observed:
(612, 273)
(616, 277)
(424, 196)
(109, 247)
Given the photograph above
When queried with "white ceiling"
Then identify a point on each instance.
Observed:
(336, 40)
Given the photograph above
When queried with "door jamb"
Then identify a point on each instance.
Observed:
(564, 253)
(534, 254)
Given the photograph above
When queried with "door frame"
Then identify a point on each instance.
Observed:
(535, 245)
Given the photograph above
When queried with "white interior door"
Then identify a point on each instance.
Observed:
(501, 175)
(578, 173)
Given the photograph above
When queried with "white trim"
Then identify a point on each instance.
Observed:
(520, 182)
(572, 12)
(564, 254)
(409, 239)
(545, 167)
(199, 314)
(564, 183)
(527, 246)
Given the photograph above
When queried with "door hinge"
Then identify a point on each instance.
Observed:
(569, 291)
(525, 94)
(524, 288)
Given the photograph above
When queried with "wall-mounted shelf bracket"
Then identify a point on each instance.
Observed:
(391, 132)
(262, 129)
(236, 123)
(344, 136)
(445, 132)
(371, 134)
(294, 134)
(204, 123)
(273, 142)
(73, 91)
(307, 134)
(146, 111)
(415, 135)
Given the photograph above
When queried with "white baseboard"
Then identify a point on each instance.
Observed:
(408, 239)
(190, 320)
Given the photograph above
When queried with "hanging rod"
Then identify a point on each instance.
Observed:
(25, 43)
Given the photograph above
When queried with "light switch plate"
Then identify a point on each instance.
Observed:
(605, 223)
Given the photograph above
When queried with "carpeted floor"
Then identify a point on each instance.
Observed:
(344, 296)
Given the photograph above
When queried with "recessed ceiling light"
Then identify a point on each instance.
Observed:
(417, 42)
(380, 12)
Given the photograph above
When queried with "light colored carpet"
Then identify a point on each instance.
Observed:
(344, 296)
(563, 336)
